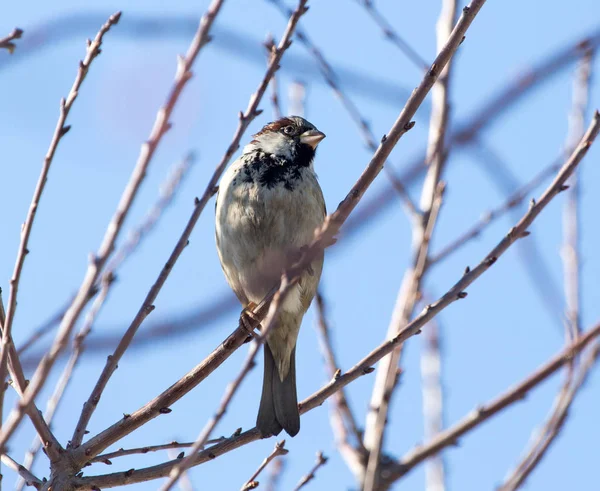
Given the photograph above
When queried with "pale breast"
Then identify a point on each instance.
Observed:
(262, 221)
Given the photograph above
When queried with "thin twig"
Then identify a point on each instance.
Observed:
(392, 35)
(93, 50)
(450, 436)
(491, 110)
(29, 478)
(122, 452)
(185, 483)
(321, 461)
(342, 418)
(492, 215)
(277, 451)
(166, 195)
(7, 42)
(156, 407)
(424, 224)
(554, 424)
(570, 254)
(267, 326)
(367, 135)
(571, 227)
(161, 126)
(270, 46)
(412, 459)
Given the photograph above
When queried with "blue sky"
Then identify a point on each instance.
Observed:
(491, 340)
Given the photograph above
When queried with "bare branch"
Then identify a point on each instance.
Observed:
(342, 418)
(363, 367)
(392, 35)
(423, 227)
(321, 461)
(8, 352)
(492, 215)
(570, 254)
(483, 412)
(105, 458)
(369, 139)
(554, 424)
(277, 451)
(153, 409)
(7, 42)
(29, 478)
(161, 126)
(270, 46)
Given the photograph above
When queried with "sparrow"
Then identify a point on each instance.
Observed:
(268, 206)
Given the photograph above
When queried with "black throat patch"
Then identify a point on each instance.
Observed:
(271, 170)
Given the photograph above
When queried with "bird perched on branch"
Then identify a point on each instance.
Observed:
(268, 207)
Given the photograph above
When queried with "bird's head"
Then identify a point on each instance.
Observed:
(292, 137)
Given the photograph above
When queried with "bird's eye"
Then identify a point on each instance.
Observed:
(289, 130)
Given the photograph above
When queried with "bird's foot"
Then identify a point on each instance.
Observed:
(249, 321)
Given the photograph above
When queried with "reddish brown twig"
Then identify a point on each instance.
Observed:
(411, 460)
(323, 237)
(423, 228)
(344, 425)
(369, 139)
(277, 451)
(7, 42)
(122, 452)
(109, 436)
(492, 215)
(270, 46)
(8, 350)
(481, 413)
(364, 366)
(321, 461)
(570, 253)
(553, 425)
(161, 126)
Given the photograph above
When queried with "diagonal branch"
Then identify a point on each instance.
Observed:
(391, 35)
(277, 451)
(321, 461)
(423, 228)
(570, 253)
(161, 126)
(482, 413)
(8, 352)
(157, 407)
(364, 366)
(342, 418)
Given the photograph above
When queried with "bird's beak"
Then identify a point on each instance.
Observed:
(312, 137)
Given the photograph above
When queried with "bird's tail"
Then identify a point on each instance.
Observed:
(279, 402)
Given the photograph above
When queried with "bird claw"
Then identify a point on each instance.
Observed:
(249, 321)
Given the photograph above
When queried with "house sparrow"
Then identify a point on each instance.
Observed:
(268, 207)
